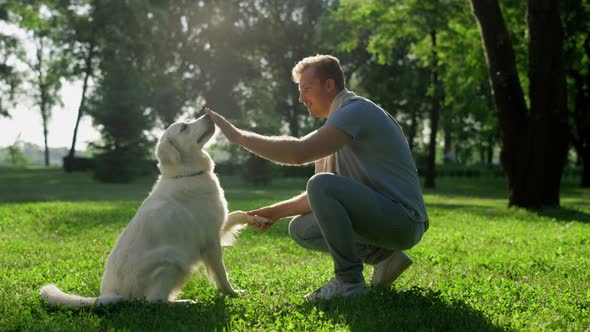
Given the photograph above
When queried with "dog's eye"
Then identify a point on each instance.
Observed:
(183, 127)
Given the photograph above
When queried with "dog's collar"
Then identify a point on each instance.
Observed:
(188, 175)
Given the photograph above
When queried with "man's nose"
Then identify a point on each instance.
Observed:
(301, 97)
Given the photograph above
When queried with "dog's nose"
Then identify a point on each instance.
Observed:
(200, 113)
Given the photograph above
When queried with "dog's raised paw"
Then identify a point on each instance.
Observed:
(240, 217)
(258, 220)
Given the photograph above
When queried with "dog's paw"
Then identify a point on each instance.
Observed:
(258, 220)
(235, 293)
(181, 302)
(237, 218)
(241, 217)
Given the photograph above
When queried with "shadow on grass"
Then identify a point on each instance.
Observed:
(53, 184)
(416, 309)
(564, 214)
(209, 315)
(490, 188)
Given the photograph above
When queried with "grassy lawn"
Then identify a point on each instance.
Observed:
(481, 266)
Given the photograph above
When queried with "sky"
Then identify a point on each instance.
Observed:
(26, 122)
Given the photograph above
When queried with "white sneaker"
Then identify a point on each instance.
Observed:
(389, 269)
(335, 288)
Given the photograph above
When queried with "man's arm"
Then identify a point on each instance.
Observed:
(296, 151)
(291, 207)
(287, 150)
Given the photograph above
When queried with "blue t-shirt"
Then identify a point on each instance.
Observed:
(378, 154)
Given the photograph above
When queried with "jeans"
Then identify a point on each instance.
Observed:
(354, 223)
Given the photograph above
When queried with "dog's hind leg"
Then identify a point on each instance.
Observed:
(165, 283)
(216, 269)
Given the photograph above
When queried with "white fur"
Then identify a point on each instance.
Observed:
(235, 222)
(180, 224)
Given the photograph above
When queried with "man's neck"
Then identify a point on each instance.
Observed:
(340, 99)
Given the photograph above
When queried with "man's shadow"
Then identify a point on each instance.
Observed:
(416, 309)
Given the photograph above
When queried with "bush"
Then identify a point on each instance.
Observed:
(122, 166)
(258, 171)
(78, 164)
(306, 171)
(15, 156)
(227, 168)
(466, 171)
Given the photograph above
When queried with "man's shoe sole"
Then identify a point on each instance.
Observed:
(399, 271)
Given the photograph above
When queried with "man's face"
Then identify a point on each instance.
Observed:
(317, 96)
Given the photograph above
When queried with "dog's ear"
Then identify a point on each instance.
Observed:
(167, 153)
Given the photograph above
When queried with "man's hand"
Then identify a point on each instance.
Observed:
(232, 133)
(266, 212)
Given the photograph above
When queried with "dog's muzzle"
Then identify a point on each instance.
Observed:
(210, 129)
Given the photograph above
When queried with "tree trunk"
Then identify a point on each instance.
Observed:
(580, 131)
(44, 99)
(434, 115)
(489, 152)
(532, 160)
(585, 124)
(87, 73)
(448, 148)
(413, 128)
(585, 166)
(547, 92)
(45, 118)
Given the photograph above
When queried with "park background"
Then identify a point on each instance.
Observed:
(493, 96)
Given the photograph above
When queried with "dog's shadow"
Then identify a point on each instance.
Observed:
(206, 315)
(415, 309)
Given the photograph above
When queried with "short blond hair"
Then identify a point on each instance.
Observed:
(326, 67)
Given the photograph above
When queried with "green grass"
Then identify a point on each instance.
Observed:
(481, 266)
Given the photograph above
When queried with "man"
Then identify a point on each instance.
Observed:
(364, 204)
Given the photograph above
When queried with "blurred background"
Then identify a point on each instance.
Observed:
(90, 84)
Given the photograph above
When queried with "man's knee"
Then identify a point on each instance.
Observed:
(296, 229)
(319, 183)
(305, 231)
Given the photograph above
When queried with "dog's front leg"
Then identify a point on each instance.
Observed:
(216, 270)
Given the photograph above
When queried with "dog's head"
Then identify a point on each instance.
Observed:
(182, 143)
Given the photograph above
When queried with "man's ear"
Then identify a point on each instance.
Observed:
(167, 153)
(330, 84)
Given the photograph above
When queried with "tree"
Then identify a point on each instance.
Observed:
(421, 23)
(15, 156)
(78, 36)
(576, 17)
(469, 123)
(48, 64)
(532, 159)
(10, 78)
(119, 104)
(285, 31)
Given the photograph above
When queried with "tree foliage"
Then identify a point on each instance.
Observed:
(144, 64)
(10, 77)
(423, 62)
(47, 65)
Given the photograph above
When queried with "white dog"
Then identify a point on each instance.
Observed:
(182, 222)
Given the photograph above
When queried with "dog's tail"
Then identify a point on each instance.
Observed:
(55, 296)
